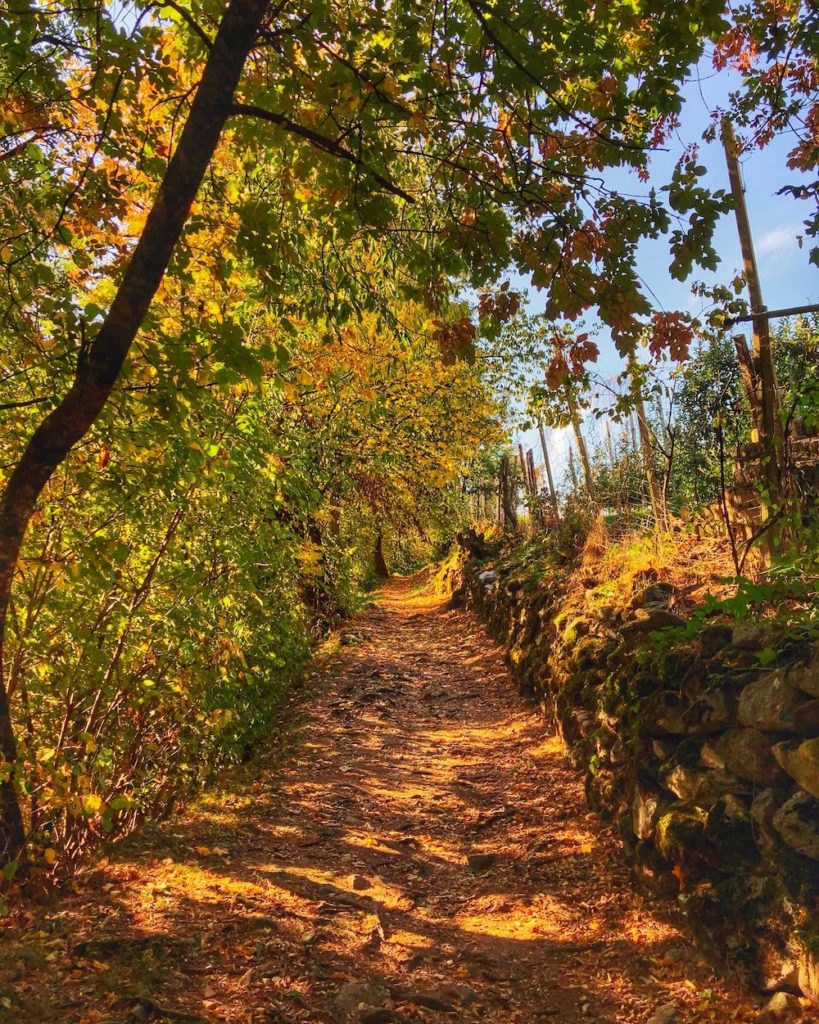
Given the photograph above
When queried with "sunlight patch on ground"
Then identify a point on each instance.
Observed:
(516, 923)
(348, 865)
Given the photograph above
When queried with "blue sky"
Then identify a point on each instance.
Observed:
(776, 221)
(787, 276)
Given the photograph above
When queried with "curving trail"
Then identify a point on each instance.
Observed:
(333, 884)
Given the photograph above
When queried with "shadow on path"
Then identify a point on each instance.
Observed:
(334, 885)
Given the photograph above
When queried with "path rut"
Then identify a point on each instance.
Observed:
(423, 854)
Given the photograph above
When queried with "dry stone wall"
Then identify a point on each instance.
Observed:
(705, 760)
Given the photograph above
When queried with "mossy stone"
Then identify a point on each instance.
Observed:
(681, 833)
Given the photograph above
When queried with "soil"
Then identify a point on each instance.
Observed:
(418, 849)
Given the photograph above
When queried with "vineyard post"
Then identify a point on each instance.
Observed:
(762, 390)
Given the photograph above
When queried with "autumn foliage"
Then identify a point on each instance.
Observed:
(257, 266)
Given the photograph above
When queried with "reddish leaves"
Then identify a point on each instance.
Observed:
(456, 340)
(669, 332)
(571, 356)
(499, 306)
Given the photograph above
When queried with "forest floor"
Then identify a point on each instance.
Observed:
(417, 850)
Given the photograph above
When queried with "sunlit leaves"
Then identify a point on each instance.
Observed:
(692, 244)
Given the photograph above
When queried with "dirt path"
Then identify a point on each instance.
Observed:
(336, 888)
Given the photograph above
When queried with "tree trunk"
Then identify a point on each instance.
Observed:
(508, 493)
(654, 493)
(547, 463)
(98, 367)
(581, 442)
(379, 562)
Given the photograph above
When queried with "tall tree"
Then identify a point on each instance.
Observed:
(100, 362)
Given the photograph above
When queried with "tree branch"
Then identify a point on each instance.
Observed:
(23, 404)
(322, 143)
(189, 20)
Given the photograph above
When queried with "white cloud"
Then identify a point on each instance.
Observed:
(779, 241)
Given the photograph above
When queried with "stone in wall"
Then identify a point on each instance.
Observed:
(764, 805)
(713, 638)
(752, 636)
(651, 619)
(774, 703)
(648, 804)
(680, 836)
(797, 822)
(806, 676)
(676, 714)
(704, 787)
(747, 753)
(808, 973)
(801, 762)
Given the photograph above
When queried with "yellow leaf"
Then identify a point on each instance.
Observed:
(50, 855)
(91, 803)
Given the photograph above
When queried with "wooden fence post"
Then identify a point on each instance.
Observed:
(530, 463)
(548, 465)
(527, 483)
(574, 416)
(654, 493)
(760, 376)
(610, 442)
